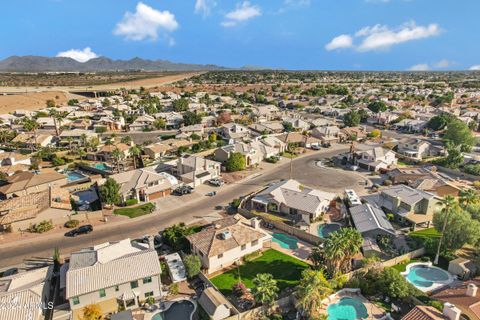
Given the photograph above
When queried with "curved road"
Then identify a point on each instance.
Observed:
(303, 170)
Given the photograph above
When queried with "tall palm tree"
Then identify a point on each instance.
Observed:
(31, 125)
(468, 197)
(134, 153)
(265, 290)
(83, 139)
(117, 155)
(5, 135)
(449, 204)
(311, 290)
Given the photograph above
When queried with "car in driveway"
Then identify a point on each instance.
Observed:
(216, 182)
(86, 229)
(9, 272)
(180, 191)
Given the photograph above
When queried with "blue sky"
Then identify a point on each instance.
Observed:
(289, 34)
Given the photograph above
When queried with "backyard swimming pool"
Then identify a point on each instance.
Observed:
(102, 166)
(426, 277)
(74, 176)
(324, 230)
(179, 310)
(285, 241)
(347, 308)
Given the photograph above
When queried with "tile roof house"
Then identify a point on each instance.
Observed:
(291, 198)
(142, 123)
(144, 185)
(374, 159)
(234, 131)
(112, 274)
(414, 148)
(409, 205)
(370, 221)
(195, 170)
(24, 295)
(226, 241)
(425, 313)
(464, 295)
(252, 155)
(25, 183)
(327, 133)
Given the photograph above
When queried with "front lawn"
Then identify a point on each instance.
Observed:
(401, 267)
(136, 211)
(284, 268)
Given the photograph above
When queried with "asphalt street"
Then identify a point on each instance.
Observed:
(302, 170)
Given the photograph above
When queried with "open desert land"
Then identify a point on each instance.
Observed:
(32, 100)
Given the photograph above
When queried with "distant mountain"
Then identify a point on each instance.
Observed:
(59, 64)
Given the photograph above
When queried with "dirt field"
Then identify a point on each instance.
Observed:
(30, 101)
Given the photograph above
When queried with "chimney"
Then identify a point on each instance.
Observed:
(451, 312)
(472, 290)
(151, 243)
(255, 223)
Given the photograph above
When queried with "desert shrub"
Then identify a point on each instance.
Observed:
(41, 227)
(72, 223)
(239, 289)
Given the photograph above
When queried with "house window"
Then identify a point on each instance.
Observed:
(147, 280)
(102, 293)
(244, 246)
(254, 243)
(220, 256)
(75, 300)
(117, 288)
(134, 284)
(149, 294)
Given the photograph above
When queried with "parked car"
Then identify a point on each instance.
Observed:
(86, 229)
(315, 147)
(9, 272)
(326, 145)
(180, 191)
(216, 182)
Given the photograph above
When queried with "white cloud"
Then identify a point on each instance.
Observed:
(341, 42)
(146, 23)
(475, 67)
(381, 37)
(204, 7)
(244, 11)
(444, 63)
(420, 67)
(81, 55)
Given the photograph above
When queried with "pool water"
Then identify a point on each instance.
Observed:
(102, 166)
(285, 241)
(180, 310)
(347, 309)
(423, 276)
(74, 176)
(324, 230)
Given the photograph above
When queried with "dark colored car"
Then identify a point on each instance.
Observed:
(80, 230)
(9, 272)
(183, 190)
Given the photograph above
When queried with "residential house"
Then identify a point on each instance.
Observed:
(25, 295)
(409, 206)
(106, 152)
(142, 123)
(11, 162)
(112, 275)
(252, 156)
(298, 139)
(463, 295)
(266, 112)
(422, 312)
(75, 136)
(327, 133)
(234, 132)
(29, 140)
(197, 129)
(156, 151)
(371, 221)
(414, 148)
(227, 241)
(144, 185)
(294, 200)
(25, 183)
(173, 120)
(374, 159)
(274, 142)
(267, 127)
(411, 125)
(297, 123)
(110, 123)
(195, 170)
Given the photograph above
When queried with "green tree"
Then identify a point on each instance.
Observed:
(180, 105)
(236, 162)
(50, 103)
(352, 119)
(468, 197)
(460, 135)
(118, 156)
(31, 125)
(190, 118)
(311, 290)
(439, 122)
(377, 106)
(160, 124)
(193, 265)
(175, 236)
(454, 157)
(265, 289)
(212, 137)
(394, 285)
(110, 192)
(288, 127)
(135, 152)
(92, 312)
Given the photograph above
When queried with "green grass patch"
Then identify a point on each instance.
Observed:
(289, 155)
(284, 268)
(426, 233)
(401, 267)
(136, 211)
(270, 216)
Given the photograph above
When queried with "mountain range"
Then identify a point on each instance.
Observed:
(61, 64)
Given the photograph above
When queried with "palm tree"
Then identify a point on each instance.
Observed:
(134, 153)
(31, 125)
(5, 135)
(93, 143)
(84, 139)
(265, 289)
(70, 141)
(117, 155)
(448, 203)
(311, 290)
(468, 197)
